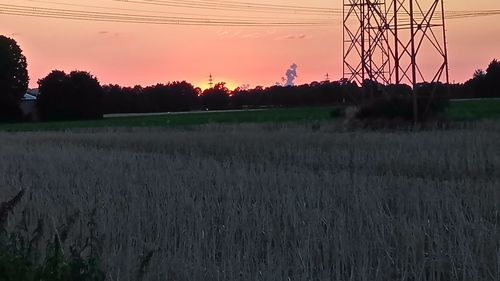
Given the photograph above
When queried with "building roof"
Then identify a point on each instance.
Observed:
(28, 97)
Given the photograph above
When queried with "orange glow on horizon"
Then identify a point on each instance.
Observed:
(230, 85)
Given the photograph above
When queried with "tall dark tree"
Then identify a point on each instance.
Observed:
(216, 97)
(87, 94)
(68, 97)
(187, 95)
(53, 100)
(13, 78)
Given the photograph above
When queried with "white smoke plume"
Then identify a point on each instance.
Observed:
(291, 74)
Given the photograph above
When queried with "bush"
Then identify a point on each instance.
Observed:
(396, 107)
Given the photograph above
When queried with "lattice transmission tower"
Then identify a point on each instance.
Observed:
(395, 41)
(366, 42)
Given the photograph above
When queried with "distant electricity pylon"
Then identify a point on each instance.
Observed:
(395, 41)
(210, 81)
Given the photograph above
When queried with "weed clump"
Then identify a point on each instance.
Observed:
(25, 257)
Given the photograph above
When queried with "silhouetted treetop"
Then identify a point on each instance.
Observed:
(216, 98)
(77, 95)
(493, 70)
(485, 83)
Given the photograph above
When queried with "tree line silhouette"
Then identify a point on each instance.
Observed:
(183, 96)
(79, 95)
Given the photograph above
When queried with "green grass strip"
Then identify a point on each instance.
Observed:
(184, 119)
(469, 110)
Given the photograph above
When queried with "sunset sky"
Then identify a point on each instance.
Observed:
(145, 54)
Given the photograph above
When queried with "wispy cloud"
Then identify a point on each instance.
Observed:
(240, 34)
(106, 32)
(253, 35)
(292, 37)
(222, 32)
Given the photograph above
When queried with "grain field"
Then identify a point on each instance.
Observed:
(270, 202)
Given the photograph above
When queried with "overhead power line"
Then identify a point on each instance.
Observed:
(238, 6)
(471, 14)
(157, 11)
(20, 10)
(162, 17)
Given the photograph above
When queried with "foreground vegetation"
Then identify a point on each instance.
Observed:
(267, 202)
(21, 250)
